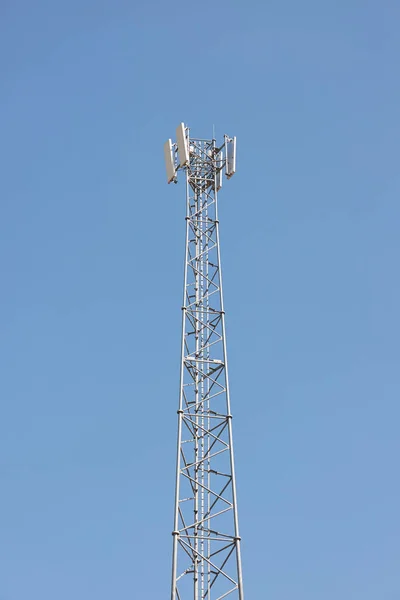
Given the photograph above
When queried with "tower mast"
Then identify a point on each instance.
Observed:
(206, 563)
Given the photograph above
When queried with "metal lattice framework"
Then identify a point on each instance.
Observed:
(206, 542)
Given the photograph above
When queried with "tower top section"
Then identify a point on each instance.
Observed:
(194, 154)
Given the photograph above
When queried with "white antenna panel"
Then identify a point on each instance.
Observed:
(183, 150)
(219, 174)
(230, 157)
(169, 161)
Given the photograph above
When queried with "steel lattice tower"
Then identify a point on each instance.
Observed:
(206, 560)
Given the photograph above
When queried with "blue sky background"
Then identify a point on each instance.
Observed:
(91, 250)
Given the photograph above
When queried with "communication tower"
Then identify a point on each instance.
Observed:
(206, 561)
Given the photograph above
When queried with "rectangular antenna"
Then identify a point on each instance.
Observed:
(220, 172)
(230, 156)
(183, 150)
(169, 161)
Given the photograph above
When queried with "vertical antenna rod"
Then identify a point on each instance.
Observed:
(206, 560)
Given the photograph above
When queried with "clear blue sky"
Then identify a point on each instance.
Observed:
(91, 247)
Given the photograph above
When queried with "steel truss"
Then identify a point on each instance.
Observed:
(206, 541)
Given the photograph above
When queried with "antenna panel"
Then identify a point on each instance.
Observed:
(219, 174)
(169, 161)
(183, 150)
(230, 156)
